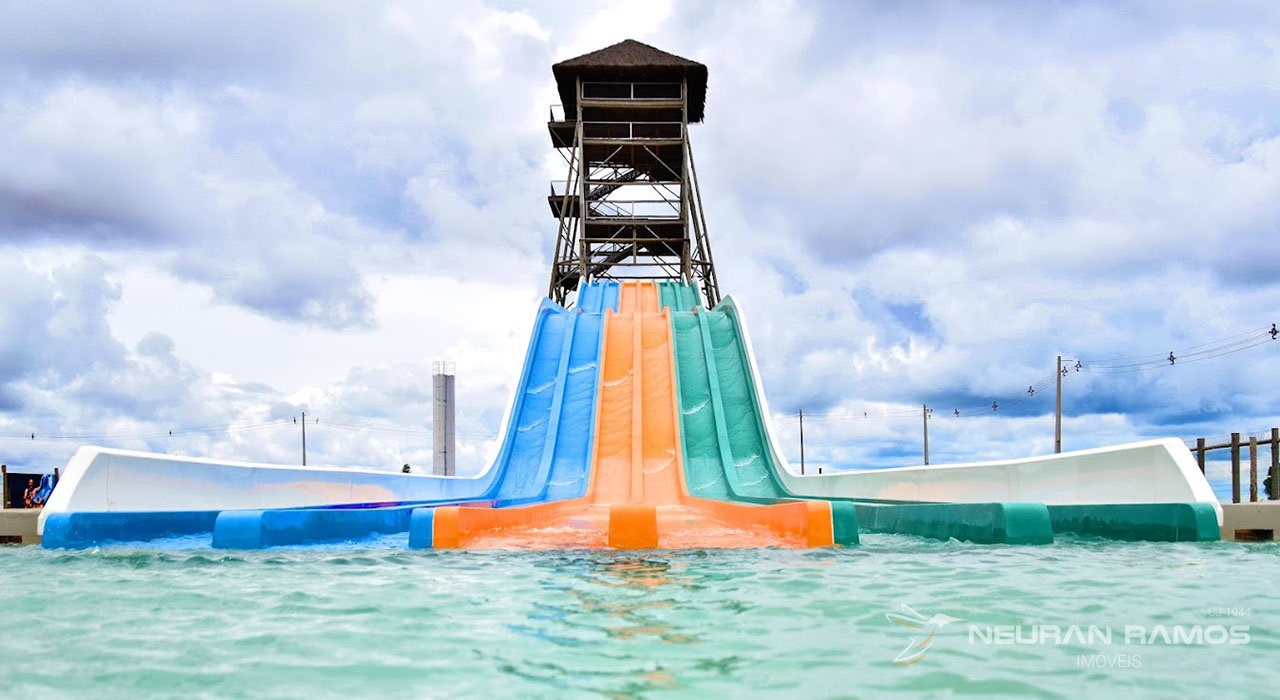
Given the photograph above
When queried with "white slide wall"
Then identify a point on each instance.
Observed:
(99, 479)
(1153, 471)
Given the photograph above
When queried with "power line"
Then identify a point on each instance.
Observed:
(356, 424)
(232, 428)
(1218, 348)
(1196, 353)
(968, 410)
(1221, 347)
(1161, 355)
(148, 435)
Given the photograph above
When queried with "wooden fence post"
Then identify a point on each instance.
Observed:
(4, 476)
(1235, 467)
(1275, 464)
(1200, 453)
(1253, 469)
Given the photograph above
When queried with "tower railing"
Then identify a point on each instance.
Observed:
(666, 131)
(628, 180)
(649, 209)
(600, 90)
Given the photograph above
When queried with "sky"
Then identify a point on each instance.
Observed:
(217, 215)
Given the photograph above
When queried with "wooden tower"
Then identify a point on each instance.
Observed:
(629, 208)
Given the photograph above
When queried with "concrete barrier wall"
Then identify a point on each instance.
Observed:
(20, 525)
(1259, 520)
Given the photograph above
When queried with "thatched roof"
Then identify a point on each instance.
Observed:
(632, 61)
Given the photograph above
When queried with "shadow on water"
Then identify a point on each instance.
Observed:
(612, 614)
(629, 624)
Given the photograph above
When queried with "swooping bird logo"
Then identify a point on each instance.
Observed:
(910, 618)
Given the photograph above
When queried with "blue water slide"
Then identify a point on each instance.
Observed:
(545, 453)
(539, 414)
(568, 462)
(590, 298)
(47, 482)
(610, 294)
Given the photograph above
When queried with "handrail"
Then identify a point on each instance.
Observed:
(639, 208)
(659, 187)
(632, 130)
(598, 90)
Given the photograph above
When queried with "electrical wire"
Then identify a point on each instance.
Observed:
(1196, 353)
(1221, 347)
(354, 424)
(148, 435)
(1214, 349)
(961, 411)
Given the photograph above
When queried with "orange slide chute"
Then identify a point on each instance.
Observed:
(637, 497)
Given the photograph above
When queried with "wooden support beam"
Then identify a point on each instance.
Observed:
(1275, 464)
(1235, 467)
(1253, 469)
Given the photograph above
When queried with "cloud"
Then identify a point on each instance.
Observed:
(873, 144)
(1020, 189)
(254, 179)
(220, 214)
(56, 335)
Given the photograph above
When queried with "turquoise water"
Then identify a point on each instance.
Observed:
(376, 621)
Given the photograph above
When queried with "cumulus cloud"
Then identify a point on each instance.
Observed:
(52, 329)
(227, 213)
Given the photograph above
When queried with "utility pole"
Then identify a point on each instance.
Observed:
(1057, 412)
(304, 438)
(802, 442)
(924, 412)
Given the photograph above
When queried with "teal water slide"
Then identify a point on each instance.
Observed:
(725, 454)
(729, 455)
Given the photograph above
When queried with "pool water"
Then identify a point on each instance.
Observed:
(376, 620)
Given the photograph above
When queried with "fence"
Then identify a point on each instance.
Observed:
(1235, 443)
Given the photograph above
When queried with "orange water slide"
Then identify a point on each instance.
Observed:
(637, 496)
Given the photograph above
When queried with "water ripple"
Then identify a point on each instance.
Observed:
(380, 620)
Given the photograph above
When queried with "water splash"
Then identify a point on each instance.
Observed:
(620, 380)
(530, 426)
(695, 408)
(761, 480)
(542, 387)
(714, 482)
(662, 466)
